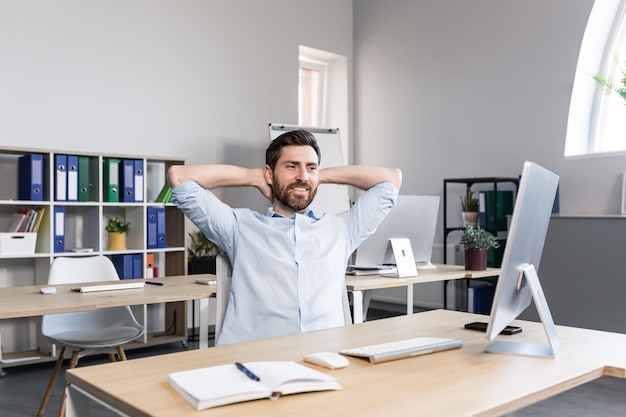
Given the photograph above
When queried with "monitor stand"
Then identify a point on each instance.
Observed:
(532, 349)
(425, 266)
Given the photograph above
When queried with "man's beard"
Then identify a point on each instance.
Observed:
(297, 203)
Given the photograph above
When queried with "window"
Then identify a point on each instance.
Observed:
(323, 92)
(311, 93)
(596, 120)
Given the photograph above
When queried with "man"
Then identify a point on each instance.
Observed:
(288, 265)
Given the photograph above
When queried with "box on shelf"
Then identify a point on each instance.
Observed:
(17, 243)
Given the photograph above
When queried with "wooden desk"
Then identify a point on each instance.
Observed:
(360, 285)
(461, 382)
(27, 301)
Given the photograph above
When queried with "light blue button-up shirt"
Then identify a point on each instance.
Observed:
(288, 274)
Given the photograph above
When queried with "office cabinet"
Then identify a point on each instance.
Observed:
(77, 193)
(489, 189)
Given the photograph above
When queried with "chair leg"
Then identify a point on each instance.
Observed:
(73, 363)
(55, 373)
(121, 353)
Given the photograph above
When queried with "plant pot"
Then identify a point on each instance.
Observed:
(204, 265)
(475, 259)
(117, 241)
(470, 217)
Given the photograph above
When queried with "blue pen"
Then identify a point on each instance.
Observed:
(247, 372)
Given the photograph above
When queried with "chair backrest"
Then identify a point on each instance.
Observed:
(223, 272)
(67, 270)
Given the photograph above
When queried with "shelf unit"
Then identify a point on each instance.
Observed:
(84, 227)
(463, 185)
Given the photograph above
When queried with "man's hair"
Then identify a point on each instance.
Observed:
(295, 137)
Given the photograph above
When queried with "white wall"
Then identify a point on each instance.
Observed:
(198, 79)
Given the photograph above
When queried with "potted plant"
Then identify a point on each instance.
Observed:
(117, 229)
(476, 242)
(469, 207)
(610, 84)
(201, 254)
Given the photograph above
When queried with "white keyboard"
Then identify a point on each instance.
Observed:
(400, 349)
(110, 287)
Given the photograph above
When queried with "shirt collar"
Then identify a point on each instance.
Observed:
(272, 213)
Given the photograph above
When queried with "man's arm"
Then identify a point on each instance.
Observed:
(212, 176)
(360, 176)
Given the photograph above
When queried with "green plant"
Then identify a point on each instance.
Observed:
(117, 225)
(610, 84)
(469, 202)
(476, 238)
(201, 247)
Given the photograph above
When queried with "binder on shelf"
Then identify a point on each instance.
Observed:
(139, 180)
(151, 229)
(84, 184)
(161, 227)
(127, 180)
(72, 178)
(30, 177)
(59, 229)
(123, 265)
(111, 180)
(150, 265)
(504, 206)
(137, 265)
(60, 177)
(164, 195)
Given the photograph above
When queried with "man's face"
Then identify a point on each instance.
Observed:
(295, 179)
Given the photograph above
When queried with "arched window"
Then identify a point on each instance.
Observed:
(597, 118)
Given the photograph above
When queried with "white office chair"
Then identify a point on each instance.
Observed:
(223, 272)
(89, 332)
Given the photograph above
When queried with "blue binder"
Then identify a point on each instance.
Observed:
(127, 180)
(123, 265)
(161, 227)
(60, 177)
(59, 229)
(30, 179)
(137, 265)
(151, 231)
(72, 178)
(139, 180)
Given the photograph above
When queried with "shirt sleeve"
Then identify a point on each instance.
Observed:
(369, 211)
(213, 217)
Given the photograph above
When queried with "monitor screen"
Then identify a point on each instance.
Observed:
(518, 283)
(414, 217)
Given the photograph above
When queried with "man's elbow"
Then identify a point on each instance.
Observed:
(396, 177)
(174, 175)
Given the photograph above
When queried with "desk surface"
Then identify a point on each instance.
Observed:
(442, 273)
(27, 301)
(460, 382)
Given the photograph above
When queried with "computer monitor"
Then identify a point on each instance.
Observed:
(414, 217)
(518, 283)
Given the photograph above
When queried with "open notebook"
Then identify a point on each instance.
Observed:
(226, 384)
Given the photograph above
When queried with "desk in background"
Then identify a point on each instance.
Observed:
(27, 301)
(460, 382)
(361, 285)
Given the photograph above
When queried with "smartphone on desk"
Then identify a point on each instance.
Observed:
(482, 326)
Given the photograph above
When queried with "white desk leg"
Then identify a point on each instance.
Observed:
(357, 306)
(409, 299)
(203, 322)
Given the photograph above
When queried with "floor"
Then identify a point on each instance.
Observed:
(23, 387)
